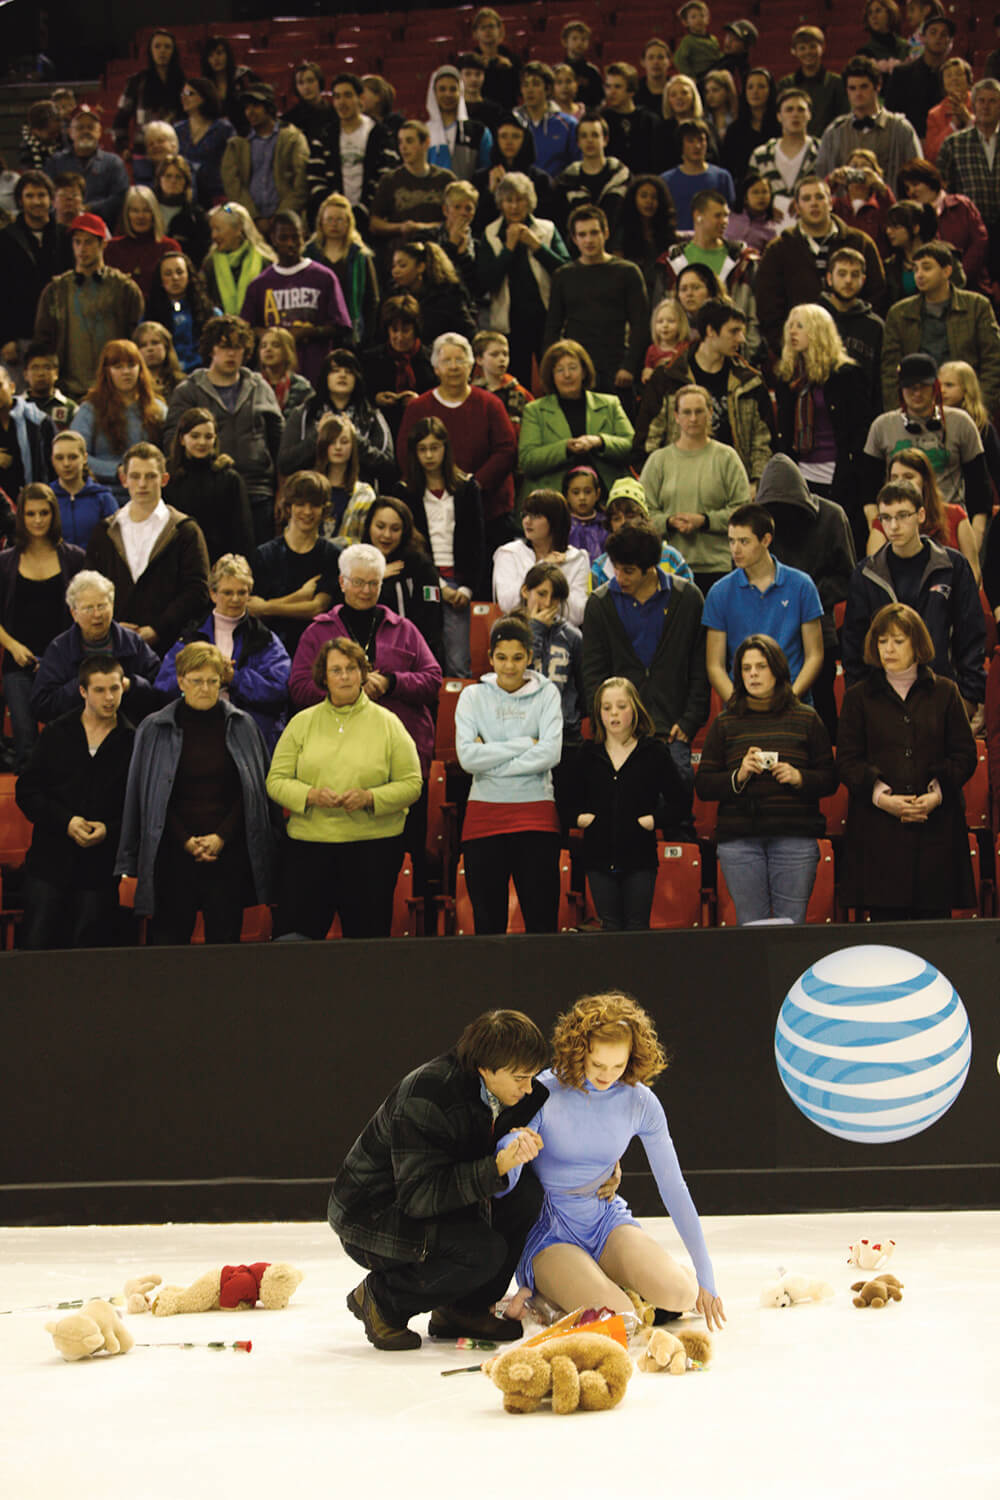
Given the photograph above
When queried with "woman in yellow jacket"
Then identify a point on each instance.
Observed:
(347, 771)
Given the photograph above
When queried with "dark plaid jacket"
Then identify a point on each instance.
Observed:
(963, 165)
(428, 1153)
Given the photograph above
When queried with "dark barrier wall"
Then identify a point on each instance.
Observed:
(150, 1085)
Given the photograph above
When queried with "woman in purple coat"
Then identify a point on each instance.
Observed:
(405, 677)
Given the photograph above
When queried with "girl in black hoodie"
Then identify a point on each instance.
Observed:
(626, 780)
(204, 485)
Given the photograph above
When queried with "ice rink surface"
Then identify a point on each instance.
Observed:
(811, 1402)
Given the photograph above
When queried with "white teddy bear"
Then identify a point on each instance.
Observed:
(795, 1289)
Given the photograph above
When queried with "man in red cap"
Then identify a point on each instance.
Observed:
(103, 172)
(79, 311)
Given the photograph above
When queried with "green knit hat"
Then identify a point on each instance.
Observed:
(629, 489)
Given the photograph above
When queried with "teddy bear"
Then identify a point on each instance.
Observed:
(139, 1293)
(675, 1353)
(795, 1289)
(95, 1329)
(878, 1292)
(581, 1371)
(232, 1286)
(871, 1255)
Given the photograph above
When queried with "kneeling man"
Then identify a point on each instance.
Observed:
(422, 1199)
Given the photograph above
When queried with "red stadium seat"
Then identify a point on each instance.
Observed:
(706, 814)
(444, 739)
(15, 830)
(822, 902)
(481, 620)
(677, 898)
(969, 913)
(834, 810)
(977, 791)
(714, 708)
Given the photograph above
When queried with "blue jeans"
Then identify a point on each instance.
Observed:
(623, 899)
(680, 754)
(17, 687)
(769, 877)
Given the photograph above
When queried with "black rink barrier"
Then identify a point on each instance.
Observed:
(209, 1084)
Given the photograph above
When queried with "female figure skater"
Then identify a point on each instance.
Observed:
(585, 1249)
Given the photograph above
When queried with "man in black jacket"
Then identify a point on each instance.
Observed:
(646, 626)
(813, 534)
(861, 330)
(416, 1200)
(350, 153)
(73, 790)
(33, 249)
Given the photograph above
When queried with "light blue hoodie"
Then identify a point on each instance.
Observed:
(510, 741)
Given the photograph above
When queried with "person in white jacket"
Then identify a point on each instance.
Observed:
(546, 521)
(508, 734)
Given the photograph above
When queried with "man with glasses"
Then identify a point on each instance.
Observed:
(90, 598)
(946, 434)
(936, 581)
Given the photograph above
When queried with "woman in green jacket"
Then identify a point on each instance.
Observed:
(572, 423)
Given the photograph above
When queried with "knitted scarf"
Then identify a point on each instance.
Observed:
(406, 379)
(804, 440)
(247, 262)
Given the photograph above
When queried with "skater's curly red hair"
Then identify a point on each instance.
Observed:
(606, 1018)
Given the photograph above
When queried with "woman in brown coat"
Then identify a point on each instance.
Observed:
(904, 751)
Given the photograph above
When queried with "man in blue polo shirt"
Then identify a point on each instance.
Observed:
(762, 596)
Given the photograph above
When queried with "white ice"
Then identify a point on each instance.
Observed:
(814, 1401)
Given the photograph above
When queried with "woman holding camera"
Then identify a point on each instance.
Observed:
(767, 761)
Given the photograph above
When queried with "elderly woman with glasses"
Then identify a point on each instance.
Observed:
(403, 675)
(255, 663)
(483, 441)
(516, 260)
(196, 830)
(90, 600)
(346, 771)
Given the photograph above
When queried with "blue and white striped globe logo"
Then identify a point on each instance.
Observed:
(872, 1044)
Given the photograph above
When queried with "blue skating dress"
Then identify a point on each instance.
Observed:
(585, 1131)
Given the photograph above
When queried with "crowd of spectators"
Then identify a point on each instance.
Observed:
(679, 364)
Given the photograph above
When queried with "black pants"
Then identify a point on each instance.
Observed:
(58, 918)
(470, 1262)
(525, 342)
(355, 880)
(824, 701)
(623, 899)
(533, 861)
(184, 886)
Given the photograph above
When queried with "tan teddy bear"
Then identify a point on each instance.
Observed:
(672, 1352)
(95, 1329)
(139, 1293)
(879, 1291)
(581, 1371)
(232, 1286)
